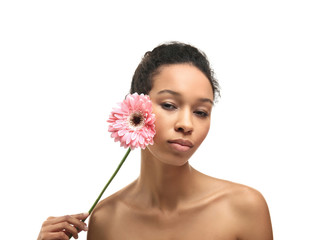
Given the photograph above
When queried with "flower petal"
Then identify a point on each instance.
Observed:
(133, 135)
(129, 134)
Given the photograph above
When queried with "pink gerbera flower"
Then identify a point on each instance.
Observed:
(132, 123)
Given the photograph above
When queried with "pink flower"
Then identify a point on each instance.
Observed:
(132, 123)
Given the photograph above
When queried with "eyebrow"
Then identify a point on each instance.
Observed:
(178, 95)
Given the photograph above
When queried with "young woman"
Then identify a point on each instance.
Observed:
(170, 199)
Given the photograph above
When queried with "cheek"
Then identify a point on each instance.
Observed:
(163, 127)
(163, 122)
(160, 132)
(203, 132)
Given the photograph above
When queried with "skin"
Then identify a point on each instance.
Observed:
(63, 227)
(170, 199)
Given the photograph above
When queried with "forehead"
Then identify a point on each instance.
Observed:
(185, 79)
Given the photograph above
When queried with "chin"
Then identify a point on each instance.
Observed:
(168, 157)
(177, 161)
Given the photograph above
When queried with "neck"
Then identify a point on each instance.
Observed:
(165, 186)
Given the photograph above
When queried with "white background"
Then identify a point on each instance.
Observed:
(64, 65)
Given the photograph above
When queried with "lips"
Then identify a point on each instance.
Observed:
(181, 144)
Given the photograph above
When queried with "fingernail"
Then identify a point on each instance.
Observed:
(85, 228)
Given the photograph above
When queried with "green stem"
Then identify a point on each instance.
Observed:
(107, 184)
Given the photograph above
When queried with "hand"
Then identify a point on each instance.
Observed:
(63, 227)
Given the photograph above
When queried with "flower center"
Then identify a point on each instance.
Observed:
(136, 120)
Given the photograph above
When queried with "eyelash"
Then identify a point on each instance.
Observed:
(171, 107)
(202, 114)
(168, 106)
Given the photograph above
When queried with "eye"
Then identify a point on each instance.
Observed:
(168, 106)
(201, 114)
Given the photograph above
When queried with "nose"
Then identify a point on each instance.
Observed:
(184, 122)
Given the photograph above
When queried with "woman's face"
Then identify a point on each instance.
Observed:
(182, 101)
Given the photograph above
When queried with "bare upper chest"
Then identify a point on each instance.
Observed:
(202, 223)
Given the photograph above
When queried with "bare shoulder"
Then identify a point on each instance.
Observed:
(239, 196)
(244, 199)
(101, 220)
(251, 208)
(104, 209)
(248, 207)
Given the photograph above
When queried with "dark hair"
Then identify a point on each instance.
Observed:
(170, 53)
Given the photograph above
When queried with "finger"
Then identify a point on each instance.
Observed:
(69, 219)
(73, 219)
(81, 216)
(64, 227)
(54, 236)
(80, 225)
